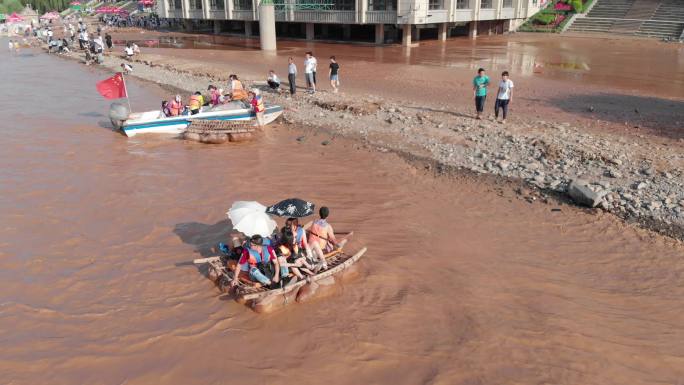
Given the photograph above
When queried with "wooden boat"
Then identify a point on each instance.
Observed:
(256, 295)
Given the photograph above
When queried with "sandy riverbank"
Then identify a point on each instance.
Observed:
(636, 171)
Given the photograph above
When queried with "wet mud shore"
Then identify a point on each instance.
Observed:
(626, 157)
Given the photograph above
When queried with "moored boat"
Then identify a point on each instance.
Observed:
(156, 122)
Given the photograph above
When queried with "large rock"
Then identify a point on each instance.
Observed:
(580, 192)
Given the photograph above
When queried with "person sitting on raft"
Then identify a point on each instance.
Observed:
(299, 234)
(254, 266)
(291, 256)
(196, 103)
(322, 237)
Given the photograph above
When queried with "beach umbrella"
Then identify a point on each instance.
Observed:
(292, 208)
(240, 209)
(14, 18)
(250, 218)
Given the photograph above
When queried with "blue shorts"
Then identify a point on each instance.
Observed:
(334, 77)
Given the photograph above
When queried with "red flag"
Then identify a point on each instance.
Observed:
(112, 88)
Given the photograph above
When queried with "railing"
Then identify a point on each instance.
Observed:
(196, 14)
(243, 14)
(507, 13)
(217, 14)
(438, 16)
(381, 17)
(175, 13)
(487, 14)
(463, 15)
(325, 16)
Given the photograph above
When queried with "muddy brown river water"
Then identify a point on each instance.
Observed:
(462, 283)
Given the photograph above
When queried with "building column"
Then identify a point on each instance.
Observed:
(310, 31)
(443, 32)
(186, 8)
(472, 32)
(417, 33)
(267, 30)
(379, 33)
(406, 35)
(248, 28)
(217, 27)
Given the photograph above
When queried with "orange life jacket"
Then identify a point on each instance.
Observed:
(175, 108)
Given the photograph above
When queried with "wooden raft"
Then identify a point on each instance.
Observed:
(219, 131)
(337, 262)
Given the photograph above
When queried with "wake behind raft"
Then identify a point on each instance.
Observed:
(231, 122)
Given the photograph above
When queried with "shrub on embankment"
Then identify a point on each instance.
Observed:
(554, 17)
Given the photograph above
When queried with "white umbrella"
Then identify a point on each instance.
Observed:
(240, 209)
(250, 218)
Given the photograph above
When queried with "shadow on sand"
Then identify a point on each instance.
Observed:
(657, 116)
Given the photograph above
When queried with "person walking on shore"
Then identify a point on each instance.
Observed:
(334, 73)
(503, 97)
(292, 75)
(480, 83)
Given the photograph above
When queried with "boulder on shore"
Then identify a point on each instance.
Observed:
(580, 192)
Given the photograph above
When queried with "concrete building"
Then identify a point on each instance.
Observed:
(379, 21)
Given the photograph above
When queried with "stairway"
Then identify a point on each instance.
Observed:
(649, 18)
(615, 9)
(661, 30)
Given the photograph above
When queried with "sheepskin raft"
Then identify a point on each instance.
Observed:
(262, 299)
(219, 131)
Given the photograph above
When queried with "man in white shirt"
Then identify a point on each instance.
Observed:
(309, 71)
(504, 96)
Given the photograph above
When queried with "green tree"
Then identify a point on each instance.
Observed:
(9, 6)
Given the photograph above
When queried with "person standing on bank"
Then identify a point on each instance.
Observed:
(309, 69)
(480, 83)
(503, 97)
(334, 73)
(292, 75)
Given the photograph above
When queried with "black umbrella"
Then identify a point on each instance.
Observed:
(292, 208)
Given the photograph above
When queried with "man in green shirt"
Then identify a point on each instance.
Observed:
(480, 83)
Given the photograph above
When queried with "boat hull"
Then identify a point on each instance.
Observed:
(178, 124)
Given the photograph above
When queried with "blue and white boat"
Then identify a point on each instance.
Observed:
(155, 121)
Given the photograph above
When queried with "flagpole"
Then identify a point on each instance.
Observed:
(126, 91)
